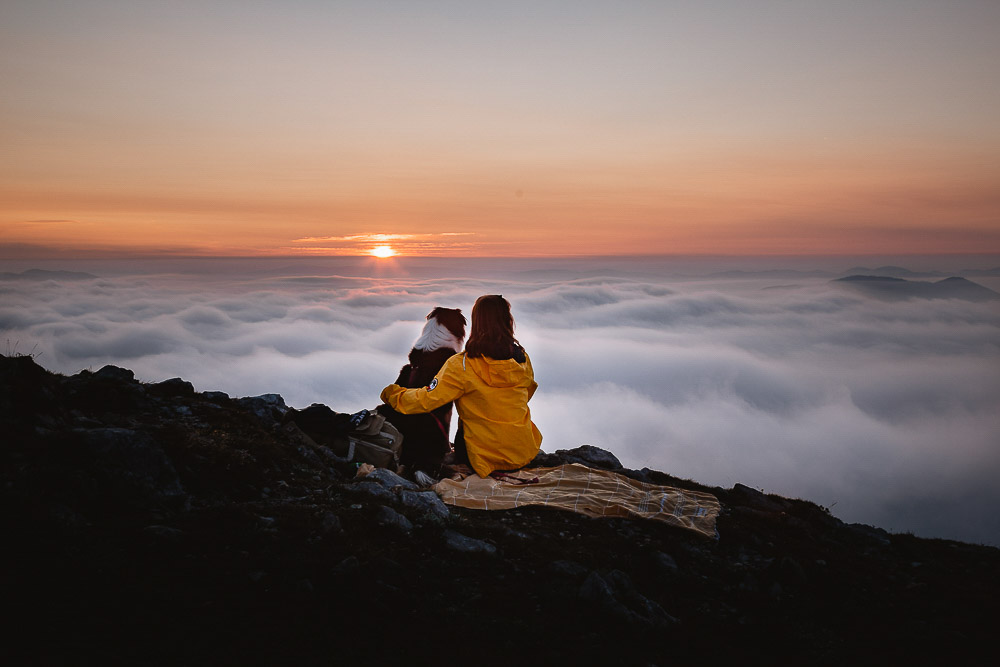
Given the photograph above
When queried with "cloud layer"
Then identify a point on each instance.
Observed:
(884, 412)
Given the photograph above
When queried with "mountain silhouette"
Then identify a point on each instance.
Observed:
(890, 288)
(44, 274)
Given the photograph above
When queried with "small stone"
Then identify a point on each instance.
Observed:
(664, 562)
(750, 584)
(596, 589)
(389, 479)
(165, 533)
(464, 544)
(567, 568)
(386, 516)
(642, 475)
(376, 491)
(518, 534)
(330, 523)
(349, 567)
(310, 456)
(617, 595)
(427, 503)
(330, 456)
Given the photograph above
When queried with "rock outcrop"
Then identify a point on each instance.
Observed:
(153, 524)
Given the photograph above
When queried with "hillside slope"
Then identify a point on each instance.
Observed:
(151, 524)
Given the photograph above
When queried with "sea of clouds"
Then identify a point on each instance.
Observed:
(884, 411)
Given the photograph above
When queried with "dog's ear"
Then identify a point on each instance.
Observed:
(460, 325)
(451, 318)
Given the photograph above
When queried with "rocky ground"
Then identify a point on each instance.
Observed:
(148, 524)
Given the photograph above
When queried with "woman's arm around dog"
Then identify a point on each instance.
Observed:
(446, 386)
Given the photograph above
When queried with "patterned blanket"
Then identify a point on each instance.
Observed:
(585, 490)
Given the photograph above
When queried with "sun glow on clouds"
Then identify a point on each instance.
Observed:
(385, 245)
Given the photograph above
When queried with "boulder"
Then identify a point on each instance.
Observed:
(386, 516)
(110, 372)
(269, 408)
(593, 457)
(426, 503)
(390, 480)
(172, 387)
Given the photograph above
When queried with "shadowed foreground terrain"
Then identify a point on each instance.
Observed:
(148, 524)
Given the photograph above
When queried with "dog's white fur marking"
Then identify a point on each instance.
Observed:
(437, 335)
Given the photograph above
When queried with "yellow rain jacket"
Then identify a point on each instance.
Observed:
(492, 401)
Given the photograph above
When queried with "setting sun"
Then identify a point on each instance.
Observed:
(383, 251)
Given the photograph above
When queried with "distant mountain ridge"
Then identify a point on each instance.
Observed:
(882, 271)
(893, 288)
(43, 274)
(895, 272)
(902, 272)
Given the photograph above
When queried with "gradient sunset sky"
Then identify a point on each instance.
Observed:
(310, 127)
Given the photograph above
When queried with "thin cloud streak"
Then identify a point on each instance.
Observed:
(425, 244)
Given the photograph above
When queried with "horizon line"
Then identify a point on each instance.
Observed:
(397, 257)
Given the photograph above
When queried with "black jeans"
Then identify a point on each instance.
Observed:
(461, 453)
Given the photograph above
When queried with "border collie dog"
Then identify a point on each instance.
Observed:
(425, 437)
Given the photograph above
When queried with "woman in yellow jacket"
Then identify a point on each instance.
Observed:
(491, 384)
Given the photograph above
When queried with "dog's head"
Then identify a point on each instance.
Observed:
(450, 318)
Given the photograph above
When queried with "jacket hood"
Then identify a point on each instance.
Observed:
(499, 373)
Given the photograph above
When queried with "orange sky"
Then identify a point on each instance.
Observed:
(524, 129)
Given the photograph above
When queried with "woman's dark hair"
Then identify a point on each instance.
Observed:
(492, 333)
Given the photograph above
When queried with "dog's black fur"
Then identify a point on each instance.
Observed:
(425, 437)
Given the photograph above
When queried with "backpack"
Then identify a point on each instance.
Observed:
(375, 441)
(363, 437)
